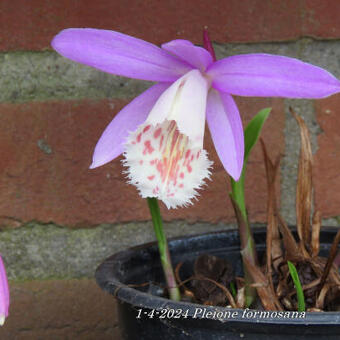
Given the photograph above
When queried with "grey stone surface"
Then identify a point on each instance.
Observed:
(49, 251)
(39, 76)
(331, 222)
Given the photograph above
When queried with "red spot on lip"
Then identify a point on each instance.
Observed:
(181, 84)
(157, 133)
(139, 137)
(146, 128)
(181, 185)
(148, 148)
(151, 177)
(187, 154)
(181, 175)
(141, 162)
(161, 168)
(174, 140)
(189, 168)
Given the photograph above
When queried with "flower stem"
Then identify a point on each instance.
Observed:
(163, 249)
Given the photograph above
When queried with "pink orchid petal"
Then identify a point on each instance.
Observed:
(118, 53)
(110, 144)
(4, 293)
(197, 57)
(185, 103)
(226, 130)
(267, 75)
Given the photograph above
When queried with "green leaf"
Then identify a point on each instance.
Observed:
(253, 131)
(299, 292)
(233, 289)
(251, 135)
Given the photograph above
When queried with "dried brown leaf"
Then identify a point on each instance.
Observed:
(292, 249)
(280, 289)
(241, 298)
(318, 265)
(311, 284)
(334, 276)
(320, 301)
(315, 241)
(313, 309)
(331, 257)
(287, 303)
(264, 290)
(223, 288)
(273, 242)
(304, 183)
(177, 269)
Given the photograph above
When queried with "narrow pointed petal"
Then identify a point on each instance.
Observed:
(266, 75)
(226, 130)
(118, 53)
(196, 56)
(162, 162)
(185, 103)
(4, 293)
(110, 144)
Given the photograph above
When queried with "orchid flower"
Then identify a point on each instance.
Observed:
(4, 293)
(161, 131)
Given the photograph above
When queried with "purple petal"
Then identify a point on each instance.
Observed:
(4, 292)
(226, 130)
(110, 144)
(119, 54)
(266, 75)
(197, 57)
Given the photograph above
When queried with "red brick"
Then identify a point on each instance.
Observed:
(58, 186)
(327, 158)
(30, 25)
(64, 309)
(321, 18)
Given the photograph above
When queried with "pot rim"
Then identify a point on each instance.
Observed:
(140, 299)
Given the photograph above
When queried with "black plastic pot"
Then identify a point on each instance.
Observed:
(147, 316)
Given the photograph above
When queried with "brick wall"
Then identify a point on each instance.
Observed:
(59, 219)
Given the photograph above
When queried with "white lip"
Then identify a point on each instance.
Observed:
(184, 102)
